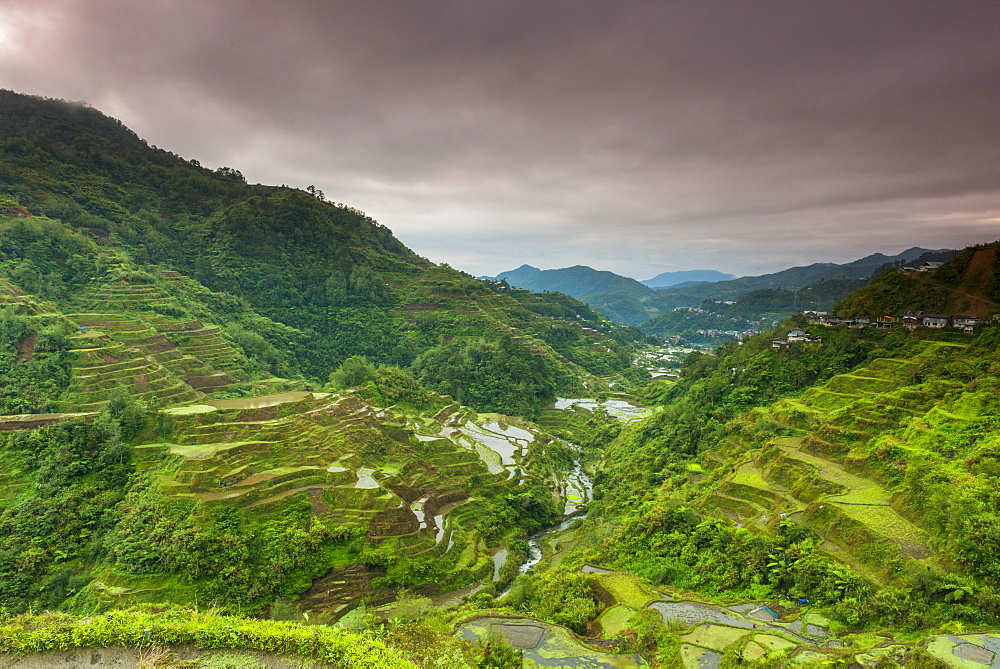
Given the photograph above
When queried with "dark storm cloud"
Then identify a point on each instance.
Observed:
(636, 137)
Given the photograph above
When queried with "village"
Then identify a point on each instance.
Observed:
(911, 319)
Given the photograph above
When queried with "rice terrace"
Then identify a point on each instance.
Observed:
(245, 424)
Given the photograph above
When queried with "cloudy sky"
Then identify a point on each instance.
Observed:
(637, 137)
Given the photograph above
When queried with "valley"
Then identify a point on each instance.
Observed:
(241, 421)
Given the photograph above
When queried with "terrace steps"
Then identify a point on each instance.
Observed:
(852, 512)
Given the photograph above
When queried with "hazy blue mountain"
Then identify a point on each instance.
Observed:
(516, 277)
(632, 302)
(793, 278)
(578, 281)
(687, 276)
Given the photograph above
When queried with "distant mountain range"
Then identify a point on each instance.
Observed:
(578, 281)
(687, 277)
(632, 302)
(794, 278)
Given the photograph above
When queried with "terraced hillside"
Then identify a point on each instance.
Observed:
(968, 284)
(120, 341)
(871, 493)
(822, 474)
(427, 496)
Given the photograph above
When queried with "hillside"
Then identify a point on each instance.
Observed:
(578, 281)
(818, 286)
(847, 472)
(750, 312)
(316, 282)
(233, 414)
(794, 278)
(167, 336)
(968, 284)
(516, 277)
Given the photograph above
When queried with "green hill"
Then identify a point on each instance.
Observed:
(968, 284)
(95, 221)
(777, 295)
(848, 472)
(166, 337)
(578, 281)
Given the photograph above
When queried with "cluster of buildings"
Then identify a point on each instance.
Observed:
(926, 267)
(734, 334)
(911, 318)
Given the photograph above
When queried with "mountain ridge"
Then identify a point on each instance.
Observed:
(667, 279)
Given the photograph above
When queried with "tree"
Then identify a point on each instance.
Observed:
(355, 371)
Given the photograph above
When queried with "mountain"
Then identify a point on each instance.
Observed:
(792, 278)
(181, 476)
(626, 301)
(300, 283)
(689, 276)
(578, 281)
(516, 277)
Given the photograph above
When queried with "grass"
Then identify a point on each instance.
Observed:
(57, 632)
(716, 637)
(615, 620)
(838, 424)
(629, 590)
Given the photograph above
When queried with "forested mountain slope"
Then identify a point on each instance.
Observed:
(297, 284)
(578, 281)
(167, 429)
(968, 284)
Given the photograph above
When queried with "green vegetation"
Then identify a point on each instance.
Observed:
(865, 493)
(33, 362)
(296, 284)
(968, 284)
(59, 632)
(224, 395)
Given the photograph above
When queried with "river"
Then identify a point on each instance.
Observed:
(577, 491)
(576, 487)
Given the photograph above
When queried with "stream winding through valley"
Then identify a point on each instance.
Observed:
(576, 489)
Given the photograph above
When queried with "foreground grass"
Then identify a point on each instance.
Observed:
(47, 632)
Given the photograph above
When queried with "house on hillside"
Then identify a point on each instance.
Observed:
(794, 335)
(908, 270)
(929, 266)
(936, 320)
(883, 323)
(912, 318)
(965, 323)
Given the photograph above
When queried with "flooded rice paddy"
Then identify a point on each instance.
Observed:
(261, 401)
(620, 409)
(365, 479)
(543, 644)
